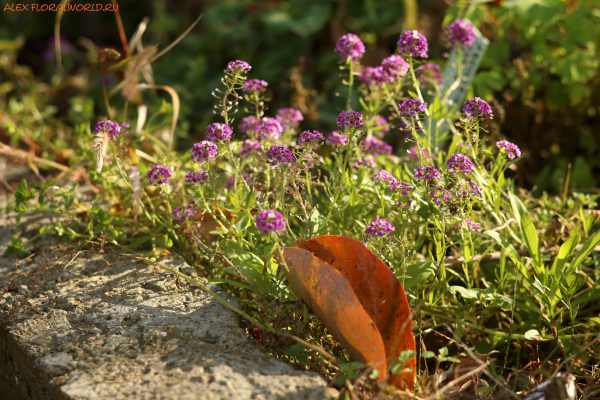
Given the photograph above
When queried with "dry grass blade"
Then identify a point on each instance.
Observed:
(142, 112)
(59, 15)
(23, 155)
(174, 97)
(101, 149)
(184, 34)
(138, 33)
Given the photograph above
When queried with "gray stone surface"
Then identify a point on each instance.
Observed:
(108, 327)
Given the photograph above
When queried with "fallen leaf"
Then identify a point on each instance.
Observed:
(378, 290)
(330, 296)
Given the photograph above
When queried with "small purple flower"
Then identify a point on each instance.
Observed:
(218, 132)
(249, 146)
(367, 162)
(350, 45)
(405, 203)
(231, 180)
(460, 32)
(270, 221)
(438, 193)
(311, 158)
(378, 121)
(335, 138)
(379, 227)
(403, 187)
(413, 43)
(427, 173)
(411, 107)
(181, 213)
(204, 151)
(376, 147)
(476, 107)
(238, 67)
(512, 150)
(289, 118)
(474, 226)
(430, 73)
(394, 67)
(268, 128)
(348, 119)
(111, 128)
(308, 137)
(279, 154)
(158, 175)
(248, 125)
(383, 176)
(254, 85)
(372, 76)
(459, 162)
(196, 177)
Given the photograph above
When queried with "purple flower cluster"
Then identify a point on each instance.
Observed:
(254, 85)
(394, 67)
(268, 128)
(367, 162)
(238, 67)
(405, 189)
(270, 221)
(379, 227)
(289, 118)
(218, 132)
(196, 177)
(335, 138)
(308, 137)
(158, 175)
(279, 154)
(204, 151)
(383, 176)
(248, 125)
(372, 76)
(470, 187)
(350, 45)
(311, 158)
(427, 173)
(411, 107)
(474, 226)
(249, 146)
(231, 180)
(350, 119)
(512, 150)
(111, 128)
(413, 43)
(376, 147)
(459, 162)
(380, 121)
(460, 32)
(438, 193)
(476, 107)
(182, 212)
(430, 73)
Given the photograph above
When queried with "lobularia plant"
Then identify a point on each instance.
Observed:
(256, 185)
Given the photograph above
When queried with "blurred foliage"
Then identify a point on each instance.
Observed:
(542, 64)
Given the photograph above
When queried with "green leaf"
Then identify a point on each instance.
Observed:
(453, 359)
(413, 94)
(563, 255)
(511, 251)
(231, 282)
(532, 241)
(164, 241)
(466, 293)
(16, 247)
(588, 246)
(532, 334)
(428, 354)
(415, 274)
(22, 194)
(242, 223)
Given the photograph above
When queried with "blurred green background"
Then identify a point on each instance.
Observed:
(540, 72)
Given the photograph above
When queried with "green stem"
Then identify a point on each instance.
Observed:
(350, 83)
(414, 134)
(282, 199)
(416, 83)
